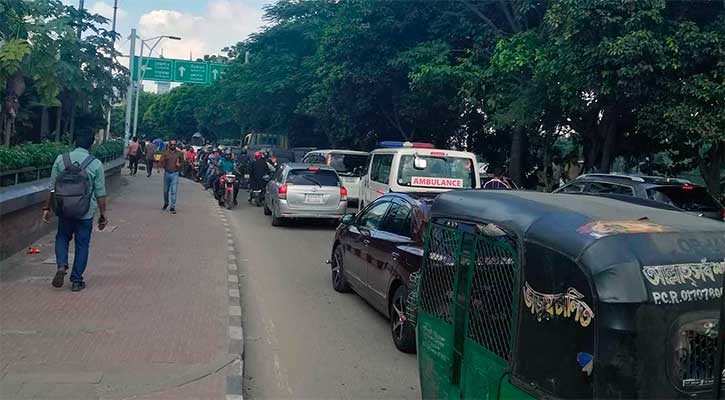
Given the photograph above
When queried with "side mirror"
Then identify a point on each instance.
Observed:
(420, 163)
(347, 219)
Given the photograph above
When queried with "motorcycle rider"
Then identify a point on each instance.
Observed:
(258, 170)
(227, 166)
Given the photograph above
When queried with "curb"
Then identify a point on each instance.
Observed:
(235, 377)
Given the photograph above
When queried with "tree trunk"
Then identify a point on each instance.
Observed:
(72, 129)
(58, 114)
(516, 158)
(710, 167)
(44, 122)
(609, 134)
(14, 88)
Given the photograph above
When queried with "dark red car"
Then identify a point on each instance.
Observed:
(374, 253)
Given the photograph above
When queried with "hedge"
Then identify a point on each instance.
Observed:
(44, 154)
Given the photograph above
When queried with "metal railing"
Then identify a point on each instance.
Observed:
(30, 174)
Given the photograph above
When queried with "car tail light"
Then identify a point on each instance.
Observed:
(314, 169)
(437, 153)
(343, 193)
(282, 192)
(722, 214)
(687, 187)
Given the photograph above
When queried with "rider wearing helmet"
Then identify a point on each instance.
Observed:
(258, 170)
(227, 166)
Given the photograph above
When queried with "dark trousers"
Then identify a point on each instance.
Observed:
(149, 166)
(133, 164)
(79, 230)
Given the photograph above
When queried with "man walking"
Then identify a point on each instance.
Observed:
(150, 151)
(77, 189)
(172, 160)
(133, 152)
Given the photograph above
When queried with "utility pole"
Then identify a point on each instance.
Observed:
(139, 88)
(107, 134)
(129, 91)
(80, 22)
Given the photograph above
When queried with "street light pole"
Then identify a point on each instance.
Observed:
(142, 71)
(107, 134)
(129, 91)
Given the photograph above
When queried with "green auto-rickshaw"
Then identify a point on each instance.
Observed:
(533, 295)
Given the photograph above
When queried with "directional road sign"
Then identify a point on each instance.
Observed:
(183, 71)
(156, 69)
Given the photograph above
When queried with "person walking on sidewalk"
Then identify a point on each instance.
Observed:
(133, 151)
(77, 189)
(150, 151)
(172, 160)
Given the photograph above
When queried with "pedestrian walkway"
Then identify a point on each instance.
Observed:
(153, 322)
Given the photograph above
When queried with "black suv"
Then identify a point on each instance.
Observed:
(677, 193)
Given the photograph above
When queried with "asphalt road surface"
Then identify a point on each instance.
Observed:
(303, 339)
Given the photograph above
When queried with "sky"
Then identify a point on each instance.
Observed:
(205, 26)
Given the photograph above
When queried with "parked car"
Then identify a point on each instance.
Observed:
(349, 164)
(375, 252)
(684, 195)
(305, 191)
(417, 167)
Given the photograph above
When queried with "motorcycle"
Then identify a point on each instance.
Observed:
(258, 195)
(225, 194)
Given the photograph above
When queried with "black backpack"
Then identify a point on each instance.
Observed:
(72, 197)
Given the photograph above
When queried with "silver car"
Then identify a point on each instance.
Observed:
(305, 191)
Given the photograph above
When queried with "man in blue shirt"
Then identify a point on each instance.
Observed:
(77, 229)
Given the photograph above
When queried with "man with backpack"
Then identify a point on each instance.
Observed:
(77, 189)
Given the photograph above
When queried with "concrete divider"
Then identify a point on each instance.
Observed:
(21, 206)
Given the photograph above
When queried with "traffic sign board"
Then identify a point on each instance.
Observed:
(216, 71)
(183, 71)
(190, 71)
(156, 69)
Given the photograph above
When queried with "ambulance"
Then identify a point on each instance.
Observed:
(417, 167)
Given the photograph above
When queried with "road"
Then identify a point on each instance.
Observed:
(303, 339)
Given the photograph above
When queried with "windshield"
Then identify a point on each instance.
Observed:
(345, 164)
(439, 172)
(320, 177)
(687, 198)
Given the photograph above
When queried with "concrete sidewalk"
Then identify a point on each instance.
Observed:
(154, 321)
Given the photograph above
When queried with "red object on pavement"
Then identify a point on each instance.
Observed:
(33, 250)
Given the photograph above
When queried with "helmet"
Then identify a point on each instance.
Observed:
(258, 155)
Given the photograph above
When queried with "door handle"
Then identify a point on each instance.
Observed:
(366, 242)
(395, 255)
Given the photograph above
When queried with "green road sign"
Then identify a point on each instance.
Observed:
(182, 71)
(190, 72)
(216, 71)
(157, 69)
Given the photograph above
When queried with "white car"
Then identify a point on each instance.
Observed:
(417, 167)
(349, 165)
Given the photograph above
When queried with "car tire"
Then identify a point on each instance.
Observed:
(339, 282)
(276, 221)
(267, 211)
(402, 330)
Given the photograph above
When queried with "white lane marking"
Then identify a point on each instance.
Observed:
(232, 266)
(230, 249)
(232, 278)
(232, 257)
(282, 380)
(234, 397)
(230, 242)
(235, 311)
(235, 332)
(234, 293)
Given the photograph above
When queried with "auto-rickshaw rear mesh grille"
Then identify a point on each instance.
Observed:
(436, 285)
(489, 320)
(696, 358)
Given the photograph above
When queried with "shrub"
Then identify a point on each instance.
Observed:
(43, 154)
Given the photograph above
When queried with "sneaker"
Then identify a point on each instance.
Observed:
(173, 210)
(164, 207)
(59, 277)
(78, 286)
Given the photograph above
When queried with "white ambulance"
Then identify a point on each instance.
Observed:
(417, 167)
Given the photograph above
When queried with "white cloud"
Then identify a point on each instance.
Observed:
(224, 23)
(106, 9)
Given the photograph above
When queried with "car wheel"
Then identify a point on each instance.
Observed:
(276, 221)
(403, 331)
(339, 282)
(267, 211)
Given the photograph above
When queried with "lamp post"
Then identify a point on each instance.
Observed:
(142, 70)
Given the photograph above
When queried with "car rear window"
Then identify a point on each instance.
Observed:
(312, 176)
(440, 172)
(688, 198)
(348, 164)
